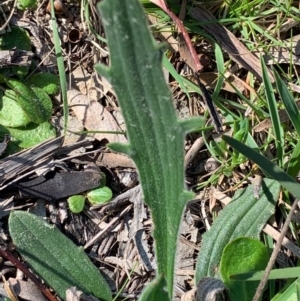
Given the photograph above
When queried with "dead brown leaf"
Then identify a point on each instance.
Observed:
(94, 117)
(236, 49)
(26, 290)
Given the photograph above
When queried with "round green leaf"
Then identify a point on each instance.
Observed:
(32, 134)
(11, 114)
(76, 203)
(35, 102)
(99, 195)
(242, 255)
(46, 81)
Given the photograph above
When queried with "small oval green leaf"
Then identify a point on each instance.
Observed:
(76, 203)
(99, 195)
(242, 255)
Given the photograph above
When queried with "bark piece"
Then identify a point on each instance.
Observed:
(15, 57)
(61, 185)
(28, 159)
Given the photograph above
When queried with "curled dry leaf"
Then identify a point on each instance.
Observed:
(94, 116)
(26, 290)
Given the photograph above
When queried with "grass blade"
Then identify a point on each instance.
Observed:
(269, 168)
(294, 162)
(285, 273)
(279, 135)
(60, 66)
(288, 101)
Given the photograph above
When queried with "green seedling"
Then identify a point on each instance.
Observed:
(76, 203)
(100, 195)
(96, 196)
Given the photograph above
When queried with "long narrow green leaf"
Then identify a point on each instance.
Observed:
(279, 135)
(285, 273)
(156, 136)
(60, 66)
(175, 74)
(288, 101)
(221, 69)
(266, 165)
(294, 162)
(245, 216)
(289, 292)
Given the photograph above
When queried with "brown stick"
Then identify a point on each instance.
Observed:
(194, 63)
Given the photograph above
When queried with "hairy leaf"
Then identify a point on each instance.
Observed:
(32, 134)
(245, 215)
(46, 81)
(34, 102)
(156, 290)
(54, 257)
(11, 113)
(156, 136)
